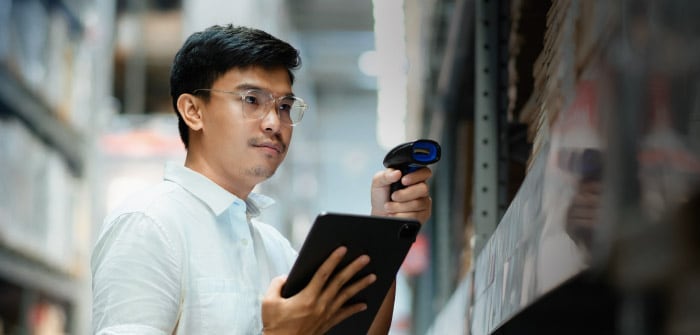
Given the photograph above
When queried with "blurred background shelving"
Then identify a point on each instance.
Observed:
(51, 52)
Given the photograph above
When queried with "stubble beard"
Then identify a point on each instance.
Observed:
(260, 172)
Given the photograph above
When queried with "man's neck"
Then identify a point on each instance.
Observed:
(240, 190)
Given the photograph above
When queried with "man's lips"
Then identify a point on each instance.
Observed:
(274, 146)
(268, 144)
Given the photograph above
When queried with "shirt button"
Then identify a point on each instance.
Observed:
(244, 242)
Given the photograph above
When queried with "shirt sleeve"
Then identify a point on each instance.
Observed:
(136, 277)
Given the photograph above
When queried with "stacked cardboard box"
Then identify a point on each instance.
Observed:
(575, 33)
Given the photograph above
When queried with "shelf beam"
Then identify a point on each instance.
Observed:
(31, 274)
(16, 99)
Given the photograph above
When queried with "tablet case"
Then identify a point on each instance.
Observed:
(386, 240)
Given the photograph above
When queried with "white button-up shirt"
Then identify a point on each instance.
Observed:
(185, 258)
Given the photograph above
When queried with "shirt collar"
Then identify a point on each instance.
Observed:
(257, 202)
(213, 195)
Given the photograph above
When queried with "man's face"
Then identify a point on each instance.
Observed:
(240, 149)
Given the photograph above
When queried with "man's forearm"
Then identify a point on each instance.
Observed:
(382, 322)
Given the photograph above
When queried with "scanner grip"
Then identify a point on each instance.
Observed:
(395, 187)
(398, 185)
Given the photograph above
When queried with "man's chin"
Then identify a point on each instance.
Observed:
(261, 172)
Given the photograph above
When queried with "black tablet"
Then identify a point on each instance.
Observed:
(386, 240)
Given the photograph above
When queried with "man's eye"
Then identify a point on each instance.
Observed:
(286, 104)
(285, 107)
(250, 99)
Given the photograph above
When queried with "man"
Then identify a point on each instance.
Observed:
(186, 257)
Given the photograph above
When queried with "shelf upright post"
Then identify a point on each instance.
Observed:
(488, 69)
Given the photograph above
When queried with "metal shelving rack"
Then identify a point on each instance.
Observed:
(20, 102)
(30, 276)
(634, 271)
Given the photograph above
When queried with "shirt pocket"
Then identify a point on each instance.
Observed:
(225, 306)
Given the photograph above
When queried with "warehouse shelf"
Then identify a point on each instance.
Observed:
(16, 99)
(31, 273)
(53, 83)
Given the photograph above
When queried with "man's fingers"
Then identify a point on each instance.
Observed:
(385, 178)
(412, 206)
(334, 295)
(390, 176)
(417, 176)
(353, 289)
(276, 286)
(339, 280)
(416, 210)
(345, 313)
(409, 193)
(325, 270)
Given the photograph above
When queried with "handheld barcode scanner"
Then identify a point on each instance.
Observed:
(411, 156)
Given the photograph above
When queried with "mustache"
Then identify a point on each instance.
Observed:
(266, 141)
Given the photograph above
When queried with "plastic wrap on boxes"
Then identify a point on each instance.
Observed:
(60, 191)
(5, 11)
(21, 161)
(36, 205)
(81, 76)
(454, 317)
(58, 84)
(505, 273)
(30, 18)
(539, 243)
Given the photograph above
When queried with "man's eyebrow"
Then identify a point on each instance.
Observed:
(248, 86)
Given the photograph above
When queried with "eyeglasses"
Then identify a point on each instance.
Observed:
(256, 104)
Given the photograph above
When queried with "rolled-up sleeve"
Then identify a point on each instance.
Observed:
(136, 277)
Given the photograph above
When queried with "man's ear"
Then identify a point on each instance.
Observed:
(190, 109)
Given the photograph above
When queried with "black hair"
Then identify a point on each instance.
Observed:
(207, 55)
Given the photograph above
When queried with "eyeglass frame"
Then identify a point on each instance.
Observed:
(244, 92)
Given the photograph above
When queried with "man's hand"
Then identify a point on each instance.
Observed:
(319, 306)
(412, 202)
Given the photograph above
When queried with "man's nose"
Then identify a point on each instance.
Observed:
(271, 121)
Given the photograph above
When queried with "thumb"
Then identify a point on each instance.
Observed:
(379, 193)
(385, 178)
(275, 288)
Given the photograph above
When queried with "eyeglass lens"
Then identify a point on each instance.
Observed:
(256, 103)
